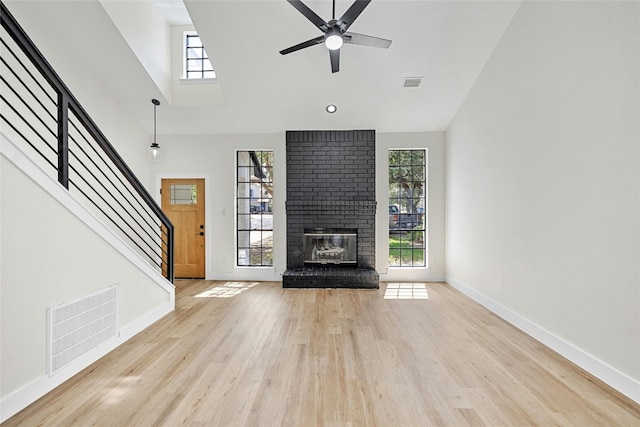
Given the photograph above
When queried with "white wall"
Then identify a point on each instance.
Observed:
(213, 157)
(543, 184)
(110, 115)
(434, 143)
(48, 257)
(148, 35)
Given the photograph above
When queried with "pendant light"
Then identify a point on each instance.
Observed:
(154, 146)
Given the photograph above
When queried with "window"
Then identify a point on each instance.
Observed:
(254, 198)
(407, 213)
(196, 60)
(183, 194)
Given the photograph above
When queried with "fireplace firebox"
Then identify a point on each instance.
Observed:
(334, 247)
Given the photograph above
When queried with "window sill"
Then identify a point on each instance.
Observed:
(254, 267)
(199, 81)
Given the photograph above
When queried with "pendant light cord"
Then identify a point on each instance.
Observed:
(155, 103)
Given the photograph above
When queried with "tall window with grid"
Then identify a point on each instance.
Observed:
(407, 208)
(254, 207)
(196, 61)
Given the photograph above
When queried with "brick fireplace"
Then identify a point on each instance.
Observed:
(331, 186)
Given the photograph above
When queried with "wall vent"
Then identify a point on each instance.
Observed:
(77, 327)
(412, 81)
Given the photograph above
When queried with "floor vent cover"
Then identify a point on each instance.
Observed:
(77, 327)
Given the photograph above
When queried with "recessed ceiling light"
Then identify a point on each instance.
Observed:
(331, 108)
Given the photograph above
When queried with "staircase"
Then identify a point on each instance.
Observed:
(75, 221)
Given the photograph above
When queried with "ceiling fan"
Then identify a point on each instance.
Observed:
(335, 31)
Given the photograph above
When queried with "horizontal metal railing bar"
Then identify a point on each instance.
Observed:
(112, 210)
(140, 205)
(24, 85)
(153, 226)
(27, 140)
(28, 107)
(151, 257)
(108, 204)
(31, 51)
(117, 160)
(26, 122)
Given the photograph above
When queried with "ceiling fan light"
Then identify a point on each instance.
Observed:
(333, 41)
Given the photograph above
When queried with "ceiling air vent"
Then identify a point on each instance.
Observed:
(412, 81)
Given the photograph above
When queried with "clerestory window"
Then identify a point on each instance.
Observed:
(196, 61)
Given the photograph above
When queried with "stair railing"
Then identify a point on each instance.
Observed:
(43, 117)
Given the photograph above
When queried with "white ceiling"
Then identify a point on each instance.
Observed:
(445, 42)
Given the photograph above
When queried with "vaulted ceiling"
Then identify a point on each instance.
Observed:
(446, 43)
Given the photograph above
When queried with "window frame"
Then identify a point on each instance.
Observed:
(405, 242)
(246, 209)
(205, 59)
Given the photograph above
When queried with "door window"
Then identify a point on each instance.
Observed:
(183, 194)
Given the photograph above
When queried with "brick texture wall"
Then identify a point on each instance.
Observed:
(331, 184)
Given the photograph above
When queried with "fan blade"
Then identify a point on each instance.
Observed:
(302, 45)
(334, 55)
(352, 13)
(310, 15)
(364, 40)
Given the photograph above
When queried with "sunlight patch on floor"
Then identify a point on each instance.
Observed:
(406, 291)
(119, 393)
(227, 290)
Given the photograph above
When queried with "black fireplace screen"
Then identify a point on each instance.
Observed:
(331, 246)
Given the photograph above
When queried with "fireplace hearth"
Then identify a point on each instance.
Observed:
(331, 210)
(331, 277)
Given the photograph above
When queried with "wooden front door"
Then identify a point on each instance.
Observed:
(183, 203)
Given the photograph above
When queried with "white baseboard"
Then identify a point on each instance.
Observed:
(609, 375)
(16, 401)
(257, 274)
(410, 275)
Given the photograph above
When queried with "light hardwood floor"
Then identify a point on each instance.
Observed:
(254, 354)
